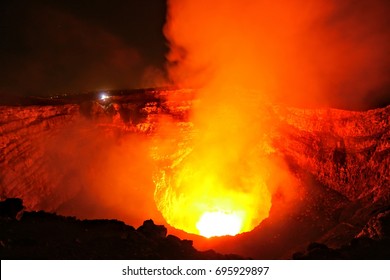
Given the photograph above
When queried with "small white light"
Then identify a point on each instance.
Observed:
(103, 96)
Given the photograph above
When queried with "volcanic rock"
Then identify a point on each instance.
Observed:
(341, 160)
(149, 229)
(42, 235)
(11, 208)
(378, 227)
(358, 249)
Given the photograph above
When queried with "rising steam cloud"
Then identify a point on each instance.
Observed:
(297, 52)
(241, 56)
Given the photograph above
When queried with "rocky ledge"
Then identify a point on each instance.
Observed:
(43, 235)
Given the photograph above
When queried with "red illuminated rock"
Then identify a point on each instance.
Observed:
(341, 158)
(346, 151)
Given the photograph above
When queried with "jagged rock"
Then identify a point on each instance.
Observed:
(373, 242)
(11, 208)
(378, 227)
(358, 249)
(149, 229)
(317, 251)
(42, 235)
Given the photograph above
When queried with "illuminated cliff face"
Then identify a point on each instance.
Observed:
(135, 160)
(82, 160)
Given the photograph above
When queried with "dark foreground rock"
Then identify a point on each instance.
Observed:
(11, 208)
(372, 243)
(358, 249)
(42, 235)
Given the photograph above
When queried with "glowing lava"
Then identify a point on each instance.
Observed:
(219, 224)
(204, 190)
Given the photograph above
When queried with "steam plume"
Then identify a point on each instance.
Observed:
(241, 56)
(297, 52)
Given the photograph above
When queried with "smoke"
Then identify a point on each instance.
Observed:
(91, 172)
(315, 53)
(242, 56)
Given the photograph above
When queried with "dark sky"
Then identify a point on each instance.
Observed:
(49, 47)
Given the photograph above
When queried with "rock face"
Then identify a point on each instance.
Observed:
(340, 158)
(53, 154)
(346, 151)
(349, 153)
(23, 132)
(378, 227)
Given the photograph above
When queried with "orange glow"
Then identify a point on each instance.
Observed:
(211, 202)
(242, 56)
(306, 53)
(207, 174)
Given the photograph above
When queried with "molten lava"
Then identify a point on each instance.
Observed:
(212, 182)
(211, 202)
(218, 176)
(219, 224)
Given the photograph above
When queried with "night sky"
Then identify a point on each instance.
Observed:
(56, 47)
